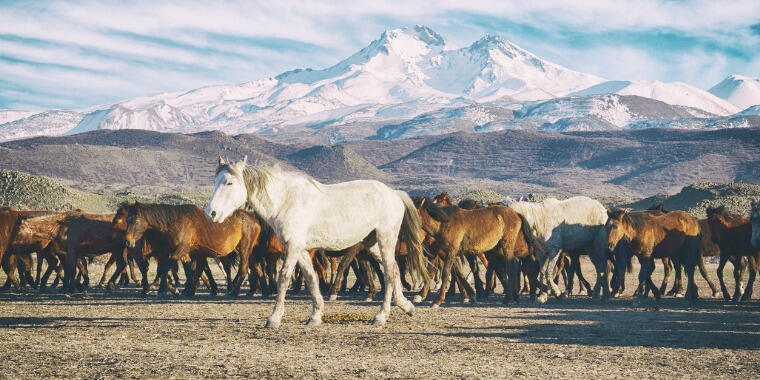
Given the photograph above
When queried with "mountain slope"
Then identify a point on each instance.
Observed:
(675, 93)
(740, 90)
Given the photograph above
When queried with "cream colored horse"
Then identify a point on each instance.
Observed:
(307, 214)
(554, 225)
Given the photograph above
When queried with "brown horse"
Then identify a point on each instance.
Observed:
(9, 243)
(188, 232)
(476, 231)
(648, 236)
(733, 234)
(443, 199)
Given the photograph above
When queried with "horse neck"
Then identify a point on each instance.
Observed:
(155, 223)
(268, 207)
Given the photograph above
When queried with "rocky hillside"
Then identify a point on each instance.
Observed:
(29, 192)
(698, 197)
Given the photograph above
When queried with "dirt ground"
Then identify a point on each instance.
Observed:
(124, 335)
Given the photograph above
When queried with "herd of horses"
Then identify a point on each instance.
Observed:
(278, 230)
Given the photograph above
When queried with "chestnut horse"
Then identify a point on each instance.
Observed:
(10, 243)
(476, 231)
(648, 236)
(188, 232)
(733, 234)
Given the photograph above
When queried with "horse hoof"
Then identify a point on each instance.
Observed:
(314, 321)
(272, 324)
(417, 299)
(333, 297)
(408, 309)
(542, 298)
(435, 306)
(379, 320)
(679, 295)
(562, 295)
(368, 299)
(465, 300)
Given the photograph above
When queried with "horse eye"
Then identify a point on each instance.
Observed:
(229, 183)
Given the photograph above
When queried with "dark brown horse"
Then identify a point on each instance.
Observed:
(733, 234)
(188, 232)
(648, 236)
(754, 216)
(476, 231)
(9, 243)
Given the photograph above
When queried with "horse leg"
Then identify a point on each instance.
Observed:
(475, 268)
(754, 262)
(645, 275)
(340, 274)
(678, 284)
(576, 268)
(242, 272)
(402, 273)
(468, 292)
(667, 267)
(738, 274)
(448, 266)
(369, 278)
(546, 263)
(706, 276)
(721, 264)
(312, 284)
(571, 274)
(211, 281)
(52, 264)
(286, 273)
(376, 268)
(120, 266)
(111, 261)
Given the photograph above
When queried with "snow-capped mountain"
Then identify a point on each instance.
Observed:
(740, 90)
(407, 82)
(676, 93)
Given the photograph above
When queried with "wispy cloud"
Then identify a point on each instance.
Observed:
(75, 54)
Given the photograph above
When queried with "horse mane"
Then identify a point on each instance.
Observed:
(635, 219)
(257, 178)
(161, 216)
(657, 207)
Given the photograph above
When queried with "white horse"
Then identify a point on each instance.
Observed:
(307, 214)
(553, 225)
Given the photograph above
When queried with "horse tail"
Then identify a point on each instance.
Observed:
(410, 234)
(530, 238)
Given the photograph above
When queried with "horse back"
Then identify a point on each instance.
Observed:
(735, 236)
(668, 233)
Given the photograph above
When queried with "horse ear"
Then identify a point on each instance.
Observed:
(245, 159)
(422, 202)
(221, 160)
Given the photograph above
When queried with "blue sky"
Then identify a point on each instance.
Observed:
(77, 54)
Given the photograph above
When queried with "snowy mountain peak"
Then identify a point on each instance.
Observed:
(406, 74)
(419, 33)
(740, 90)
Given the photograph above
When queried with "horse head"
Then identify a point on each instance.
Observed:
(230, 192)
(617, 227)
(136, 225)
